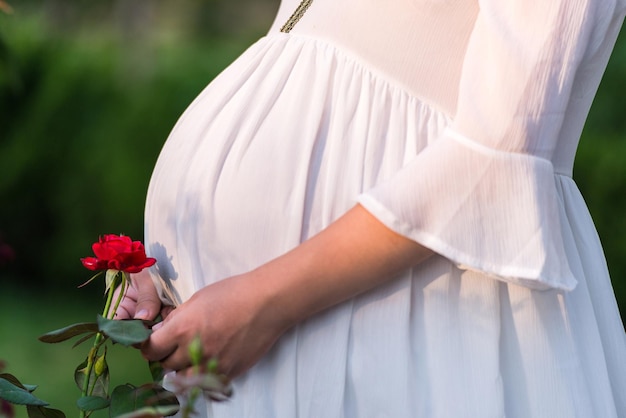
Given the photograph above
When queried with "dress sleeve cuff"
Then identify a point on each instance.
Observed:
(487, 210)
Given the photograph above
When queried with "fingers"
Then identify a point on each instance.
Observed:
(124, 312)
(148, 303)
(166, 310)
(178, 360)
(141, 300)
(161, 347)
(126, 309)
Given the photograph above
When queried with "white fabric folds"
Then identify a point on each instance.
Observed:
(487, 210)
(472, 159)
(484, 193)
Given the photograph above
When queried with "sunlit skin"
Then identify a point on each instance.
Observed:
(239, 318)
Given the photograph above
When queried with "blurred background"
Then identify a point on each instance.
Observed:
(89, 91)
(88, 94)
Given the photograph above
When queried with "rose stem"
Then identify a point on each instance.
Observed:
(96, 346)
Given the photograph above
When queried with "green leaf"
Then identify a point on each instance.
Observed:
(125, 332)
(80, 373)
(90, 280)
(152, 412)
(43, 412)
(17, 395)
(92, 403)
(68, 332)
(147, 400)
(212, 365)
(156, 371)
(128, 278)
(12, 379)
(195, 351)
(100, 384)
(111, 279)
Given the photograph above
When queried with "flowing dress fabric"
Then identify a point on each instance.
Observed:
(515, 315)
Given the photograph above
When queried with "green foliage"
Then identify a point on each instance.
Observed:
(35, 411)
(12, 391)
(24, 315)
(82, 121)
(607, 114)
(92, 403)
(92, 376)
(130, 401)
(68, 332)
(126, 333)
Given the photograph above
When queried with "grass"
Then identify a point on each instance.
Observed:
(26, 314)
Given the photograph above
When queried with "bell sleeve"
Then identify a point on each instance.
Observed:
(483, 194)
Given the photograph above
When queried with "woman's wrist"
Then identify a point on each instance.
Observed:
(261, 299)
(353, 255)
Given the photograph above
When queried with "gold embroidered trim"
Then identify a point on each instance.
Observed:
(296, 16)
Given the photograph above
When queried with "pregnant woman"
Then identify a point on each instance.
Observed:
(371, 213)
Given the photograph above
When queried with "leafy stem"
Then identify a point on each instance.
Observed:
(92, 375)
(118, 278)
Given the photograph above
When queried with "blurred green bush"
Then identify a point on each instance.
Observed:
(82, 119)
(84, 113)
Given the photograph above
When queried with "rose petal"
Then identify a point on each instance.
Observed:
(92, 263)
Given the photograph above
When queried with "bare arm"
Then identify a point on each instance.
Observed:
(353, 255)
(239, 318)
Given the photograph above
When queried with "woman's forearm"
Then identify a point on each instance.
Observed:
(354, 254)
(239, 318)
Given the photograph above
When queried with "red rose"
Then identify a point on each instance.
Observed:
(118, 252)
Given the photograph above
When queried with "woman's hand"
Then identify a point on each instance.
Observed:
(141, 300)
(239, 318)
(231, 321)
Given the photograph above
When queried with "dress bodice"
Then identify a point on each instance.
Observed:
(425, 51)
(422, 49)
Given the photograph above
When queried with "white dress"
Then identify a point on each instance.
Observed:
(455, 123)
